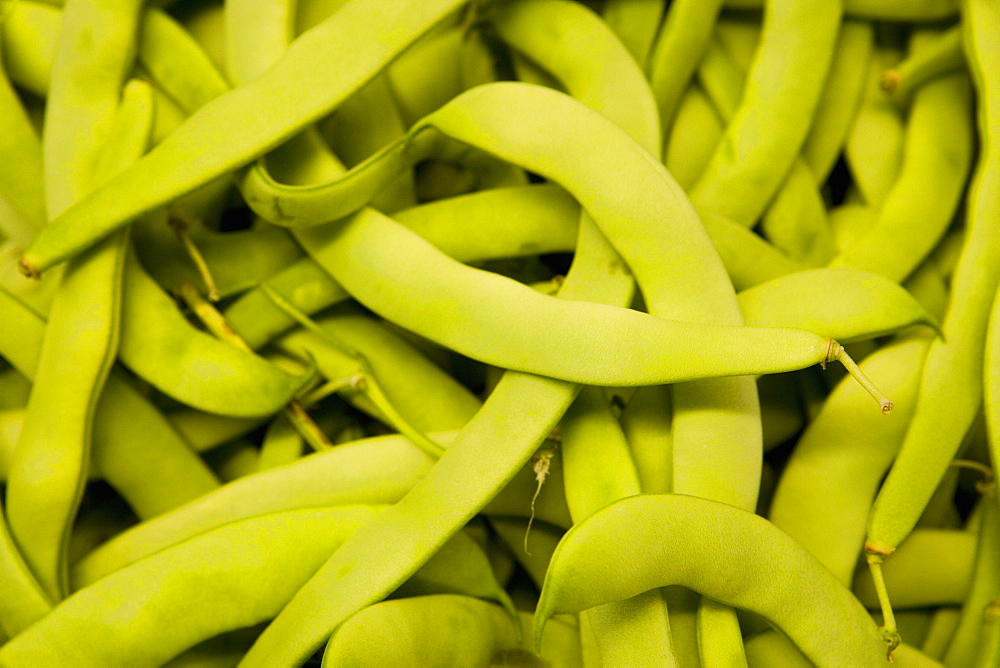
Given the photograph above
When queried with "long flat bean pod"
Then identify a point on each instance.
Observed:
(236, 576)
(88, 136)
(302, 79)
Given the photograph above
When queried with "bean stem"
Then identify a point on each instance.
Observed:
(889, 632)
(181, 225)
(368, 383)
(835, 351)
(217, 325)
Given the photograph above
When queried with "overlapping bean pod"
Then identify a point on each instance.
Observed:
(546, 351)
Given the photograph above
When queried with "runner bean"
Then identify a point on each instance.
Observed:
(874, 149)
(844, 304)
(951, 386)
(159, 345)
(636, 24)
(932, 567)
(179, 165)
(599, 470)
(679, 47)
(984, 587)
(720, 551)
(943, 56)
(886, 10)
(373, 471)
(748, 166)
(937, 158)
(188, 588)
(88, 136)
(825, 508)
(841, 97)
(422, 631)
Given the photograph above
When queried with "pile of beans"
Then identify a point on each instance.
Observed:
(499, 332)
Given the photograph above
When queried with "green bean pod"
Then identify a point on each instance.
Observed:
(22, 194)
(844, 304)
(237, 260)
(421, 631)
(943, 56)
(984, 587)
(372, 471)
(989, 648)
(180, 164)
(932, 567)
(159, 345)
(750, 163)
(599, 471)
(679, 47)
(719, 551)
(235, 576)
(951, 388)
(874, 148)
(635, 23)
(623, 347)
(720, 642)
(937, 158)
(646, 422)
(825, 508)
(885, 10)
(692, 136)
(490, 224)
(840, 99)
(88, 136)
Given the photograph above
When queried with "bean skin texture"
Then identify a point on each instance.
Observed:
(701, 544)
(952, 387)
(48, 471)
(179, 165)
(250, 566)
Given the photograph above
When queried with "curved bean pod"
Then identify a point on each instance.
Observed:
(635, 23)
(825, 508)
(623, 347)
(931, 568)
(841, 97)
(179, 164)
(692, 137)
(159, 345)
(886, 10)
(712, 543)
(421, 631)
(951, 387)
(840, 303)
(943, 56)
(646, 423)
(143, 458)
(238, 260)
(937, 158)
(489, 224)
(680, 46)
(984, 587)
(372, 471)
(235, 576)
(750, 163)
(548, 31)
(599, 470)
(874, 149)
(22, 192)
(22, 599)
(88, 136)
